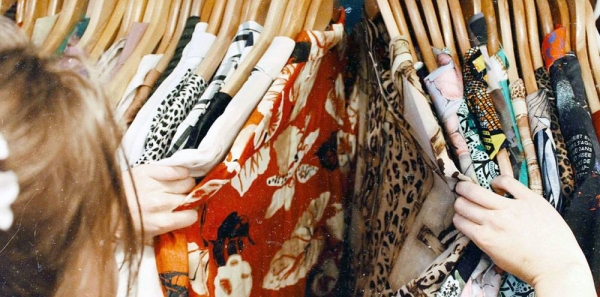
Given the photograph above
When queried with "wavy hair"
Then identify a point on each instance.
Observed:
(62, 141)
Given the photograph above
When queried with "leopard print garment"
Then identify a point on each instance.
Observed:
(395, 179)
(564, 164)
(171, 113)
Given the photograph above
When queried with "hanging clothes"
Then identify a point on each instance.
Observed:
(228, 115)
(146, 65)
(135, 138)
(582, 145)
(153, 78)
(242, 44)
(539, 121)
(391, 196)
(446, 90)
(565, 169)
(170, 114)
(274, 210)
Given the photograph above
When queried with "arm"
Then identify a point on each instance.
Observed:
(524, 236)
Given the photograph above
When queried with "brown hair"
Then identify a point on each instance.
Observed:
(62, 142)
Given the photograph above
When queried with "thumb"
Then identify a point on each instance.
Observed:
(165, 173)
(182, 218)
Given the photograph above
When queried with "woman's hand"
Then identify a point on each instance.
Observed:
(160, 189)
(524, 236)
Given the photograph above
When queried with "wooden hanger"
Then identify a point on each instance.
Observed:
(535, 180)
(216, 17)
(525, 60)
(561, 15)
(172, 21)
(388, 18)
(232, 16)
(403, 26)
(294, 18)
(155, 15)
(311, 16)
(458, 22)
(54, 6)
(206, 11)
(325, 14)
(592, 42)
(171, 48)
(272, 25)
(134, 13)
(33, 10)
(108, 34)
(20, 11)
(433, 26)
(421, 35)
(448, 32)
(534, 36)
(578, 43)
(493, 42)
(100, 12)
(70, 14)
(196, 9)
(507, 40)
(545, 17)
(476, 6)
(257, 11)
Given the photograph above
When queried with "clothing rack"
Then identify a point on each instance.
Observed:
(326, 161)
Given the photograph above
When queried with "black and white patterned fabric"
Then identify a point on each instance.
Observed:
(171, 113)
(242, 43)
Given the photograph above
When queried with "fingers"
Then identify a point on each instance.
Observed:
(182, 186)
(165, 173)
(466, 226)
(175, 220)
(481, 196)
(471, 211)
(512, 186)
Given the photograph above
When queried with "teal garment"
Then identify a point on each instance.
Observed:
(523, 173)
(74, 36)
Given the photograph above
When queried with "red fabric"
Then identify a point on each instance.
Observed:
(271, 212)
(553, 45)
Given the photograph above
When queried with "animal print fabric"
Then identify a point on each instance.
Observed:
(418, 113)
(171, 113)
(271, 219)
(565, 169)
(399, 236)
(391, 157)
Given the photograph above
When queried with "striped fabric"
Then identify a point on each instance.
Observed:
(242, 43)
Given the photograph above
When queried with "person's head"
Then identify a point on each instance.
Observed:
(62, 144)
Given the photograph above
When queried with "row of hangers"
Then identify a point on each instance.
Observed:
(111, 20)
(524, 22)
(529, 20)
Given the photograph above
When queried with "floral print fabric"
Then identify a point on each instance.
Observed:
(271, 217)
